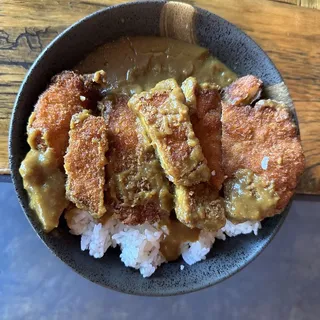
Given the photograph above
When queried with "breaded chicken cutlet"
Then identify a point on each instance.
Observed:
(264, 141)
(48, 127)
(204, 101)
(138, 191)
(85, 162)
(200, 207)
(166, 121)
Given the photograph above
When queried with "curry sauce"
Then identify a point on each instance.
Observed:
(45, 184)
(178, 234)
(136, 64)
(249, 197)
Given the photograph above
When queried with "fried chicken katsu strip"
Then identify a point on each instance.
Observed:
(85, 162)
(48, 125)
(200, 207)
(204, 102)
(243, 91)
(264, 140)
(138, 191)
(167, 122)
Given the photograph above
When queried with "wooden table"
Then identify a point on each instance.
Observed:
(287, 30)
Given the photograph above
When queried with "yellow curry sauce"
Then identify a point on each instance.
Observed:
(136, 64)
(250, 197)
(178, 234)
(45, 184)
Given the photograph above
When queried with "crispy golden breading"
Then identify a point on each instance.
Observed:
(189, 88)
(204, 102)
(49, 124)
(263, 139)
(243, 91)
(149, 212)
(138, 191)
(122, 133)
(200, 207)
(167, 122)
(85, 162)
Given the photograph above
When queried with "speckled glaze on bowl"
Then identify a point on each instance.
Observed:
(224, 40)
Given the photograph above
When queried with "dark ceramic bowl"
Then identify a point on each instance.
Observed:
(176, 20)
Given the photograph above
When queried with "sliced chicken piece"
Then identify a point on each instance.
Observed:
(85, 162)
(138, 190)
(204, 102)
(166, 120)
(200, 207)
(243, 91)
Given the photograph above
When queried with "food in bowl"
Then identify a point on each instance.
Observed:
(161, 151)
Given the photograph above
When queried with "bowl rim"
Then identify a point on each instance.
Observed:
(14, 172)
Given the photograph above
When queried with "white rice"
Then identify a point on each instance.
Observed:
(232, 230)
(86, 236)
(193, 252)
(140, 245)
(77, 220)
(97, 238)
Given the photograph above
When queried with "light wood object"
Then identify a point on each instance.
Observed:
(288, 30)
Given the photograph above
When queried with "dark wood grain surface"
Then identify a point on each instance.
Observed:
(285, 29)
